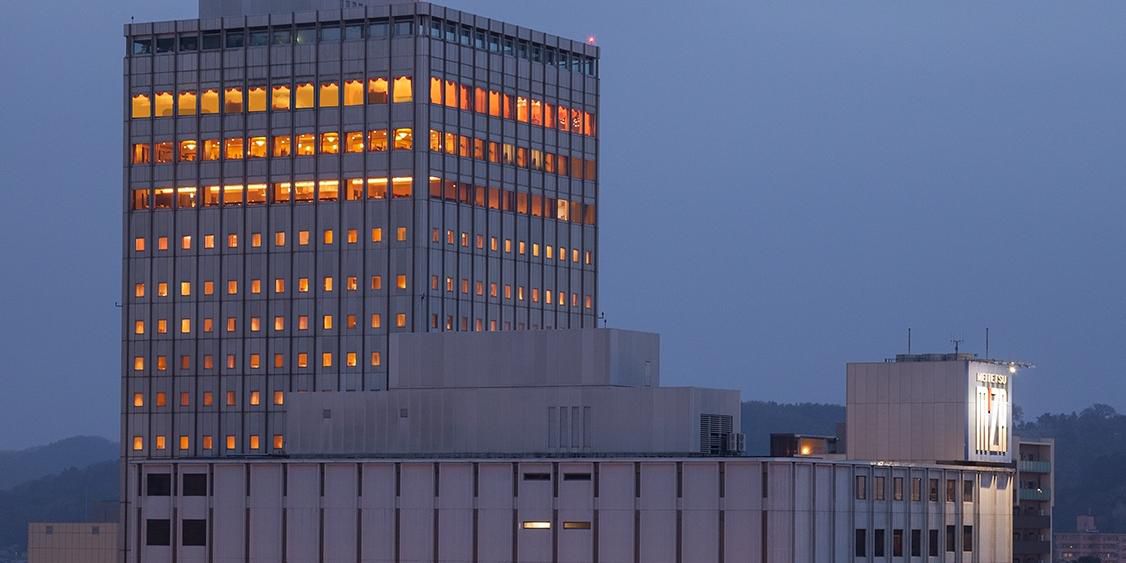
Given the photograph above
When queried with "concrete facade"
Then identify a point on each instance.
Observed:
(943, 408)
(609, 510)
(72, 542)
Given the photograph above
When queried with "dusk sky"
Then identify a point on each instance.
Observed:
(787, 186)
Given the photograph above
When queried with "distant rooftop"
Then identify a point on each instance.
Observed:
(234, 8)
(949, 357)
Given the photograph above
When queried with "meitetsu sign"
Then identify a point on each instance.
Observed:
(990, 415)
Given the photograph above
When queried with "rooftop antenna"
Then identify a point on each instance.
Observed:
(957, 343)
(987, 356)
(602, 317)
(908, 341)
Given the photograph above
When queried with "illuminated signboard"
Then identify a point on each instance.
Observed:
(993, 415)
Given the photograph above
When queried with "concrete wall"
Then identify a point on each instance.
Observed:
(530, 358)
(505, 420)
(80, 542)
(656, 510)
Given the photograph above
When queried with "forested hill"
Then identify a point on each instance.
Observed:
(762, 418)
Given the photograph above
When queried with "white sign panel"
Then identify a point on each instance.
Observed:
(992, 416)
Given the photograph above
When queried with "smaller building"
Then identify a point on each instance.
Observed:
(1032, 505)
(72, 542)
(1089, 542)
(804, 445)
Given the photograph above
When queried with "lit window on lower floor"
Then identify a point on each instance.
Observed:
(536, 525)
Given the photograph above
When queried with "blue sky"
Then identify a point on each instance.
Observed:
(786, 187)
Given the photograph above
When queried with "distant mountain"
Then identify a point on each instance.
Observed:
(761, 418)
(19, 466)
(74, 495)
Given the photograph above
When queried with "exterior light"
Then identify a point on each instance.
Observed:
(1012, 368)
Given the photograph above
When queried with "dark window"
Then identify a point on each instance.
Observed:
(537, 476)
(236, 38)
(897, 543)
(950, 490)
(878, 542)
(932, 492)
(328, 33)
(549, 57)
(353, 32)
(916, 543)
(194, 532)
(897, 488)
(436, 28)
(165, 44)
(403, 28)
(861, 487)
(916, 489)
(466, 36)
(522, 49)
(142, 46)
(861, 542)
(189, 42)
(307, 35)
(451, 32)
(590, 66)
(950, 538)
(195, 484)
(212, 40)
(494, 42)
(282, 36)
(576, 476)
(967, 538)
(158, 531)
(932, 545)
(158, 484)
(508, 46)
(537, 54)
(259, 38)
(479, 39)
(878, 489)
(377, 31)
(968, 490)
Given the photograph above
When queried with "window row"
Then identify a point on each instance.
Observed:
(207, 442)
(523, 109)
(522, 248)
(207, 399)
(534, 205)
(358, 30)
(255, 361)
(328, 322)
(158, 531)
(305, 191)
(879, 489)
(468, 36)
(507, 153)
(899, 543)
(277, 146)
(303, 94)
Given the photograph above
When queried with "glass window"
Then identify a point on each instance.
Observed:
(189, 42)
(304, 95)
(189, 150)
(256, 98)
(209, 101)
(306, 144)
(330, 94)
(354, 141)
(232, 100)
(861, 487)
(142, 46)
(403, 28)
(186, 104)
(377, 90)
(257, 147)
(377, 140)
(283, 145)
(404, 138)
(163, 152)
(211, 149)
(259, 38)
(163, 104)
(236, 38)
(307, 35)
(142, 153)
(279, 98)
(328, 33)
(353, 32)
(212, 40)
(141, 106)
(861, 542)
(353, 92)
(403, 91)
(282, 36)
(377, 31)
(330, 143)
(450, 94)
(165, 44)
(233, 148)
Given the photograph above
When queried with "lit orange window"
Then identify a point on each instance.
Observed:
(537, 112)
(377, 282)
(232, 240)
(142, 153)
(232, 100)
(376, 359)
(302, 285)
(232, 361)
(185, 399)
(435, 141)
(141, 107)
(326, 359)
(208, 398)
(377, 140)
(451, 94)
(435, 90)
(306, 144)
(255, 398)
(256, 98)
(279, 360)
(351, 283)
(302, 360)
(377, 234)
(400, 320)
(354, 141)
(279, 397)
(138, 400)
(255, 361)
(494, 103)
(283, 146)
(208, 442)
(139, 244)
(401, 234)
(138, 363)
(208, 287)
(326, 322)
(209, 101)
(480, 101)
(233, 148)
(279, 285)
(403, 91)
(184, 443)
(522, 109)
(353, 92)
(163, 104)
(211, 149)
(232, 324)
(258, 147)
(350, 359)
(302, 238)
(232, 287)
(327, 285)
(138, 443)
(160, 442)
(255, 324)
(377, 90)
(304, 95)
(463, 98)
(230, 441)
(404, 138)
(401, 281)
(185, 326)
(376, 320)
(279, 441)
(279, 98)
(451, 143)
(302, 322)
(330, 143)
(330, 94)
(279, 323)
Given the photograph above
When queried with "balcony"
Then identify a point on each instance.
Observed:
(1043, 494)
(1032, 547)
(1028, 466)
(1031, 522)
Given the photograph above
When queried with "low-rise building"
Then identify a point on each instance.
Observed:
(72, 542)
(1087, 541)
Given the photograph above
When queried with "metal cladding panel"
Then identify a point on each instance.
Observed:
(658, 535)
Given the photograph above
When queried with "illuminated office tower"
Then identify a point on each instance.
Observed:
(300, 185)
